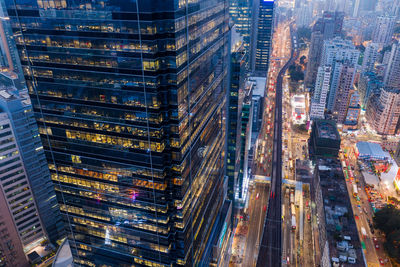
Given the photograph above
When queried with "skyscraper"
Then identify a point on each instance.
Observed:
(237, 75)
(19, 208)
(383, 31)
(262, 24)
(17, 106)
(370, 57)
(131, 97)
(240, 13)
(392, 73)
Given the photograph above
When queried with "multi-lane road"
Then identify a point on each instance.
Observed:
(270, 252)
(257, 210)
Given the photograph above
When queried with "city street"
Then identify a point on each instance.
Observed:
(363, 212)
(257, 209)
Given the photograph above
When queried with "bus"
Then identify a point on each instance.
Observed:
(355, 191)
(283, 212)
(345, 174)
(309, 217)
(293, 210)
(343, 165)
(293, 222)
(363, 232)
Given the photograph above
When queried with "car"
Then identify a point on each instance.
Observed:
(258, 195)
(265, 208)
(376, 246)
(381, 262)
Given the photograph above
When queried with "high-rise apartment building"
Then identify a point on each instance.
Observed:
(363, 5)
(131, 98)
(325, 28)
(304, 14)
(15, 186)
(383, 111)
(370, 57)
(392, 73)
(337, 52)
(314, 56)
(342, 96)
(322, 84)
(261, 34)
(383, 30)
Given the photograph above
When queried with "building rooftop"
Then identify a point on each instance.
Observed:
(259, 88)
(339, 217)
(369, 150)
(327, 129)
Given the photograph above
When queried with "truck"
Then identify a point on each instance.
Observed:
(363, 232)
(355, 191)
(293, 222)
(291, 197)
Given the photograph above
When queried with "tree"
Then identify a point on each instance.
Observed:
(304, 33)
(302, 60)
(388, 220)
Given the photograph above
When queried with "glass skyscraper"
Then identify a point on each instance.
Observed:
(130, 99)
(262, 24)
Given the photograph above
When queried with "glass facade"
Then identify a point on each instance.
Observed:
(130, 100)
(240, 13)
(263, 11)
(237, 75)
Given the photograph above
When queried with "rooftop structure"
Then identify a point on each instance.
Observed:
(370, 151)
(63, 257)
(335, 216)
(325, 139)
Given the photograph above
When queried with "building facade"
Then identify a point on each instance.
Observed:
(262, 25)
(353, 111)
(240, 13)
(130, 99)
(237, 82)
(325, 28)
(336, 53)
(392, 73)
(16, 188)
(19, 110)
(370, 57)
(368, 85)
(318, 101)
(342, 95)
(314, 57)
(383, 30)
(383, 111)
